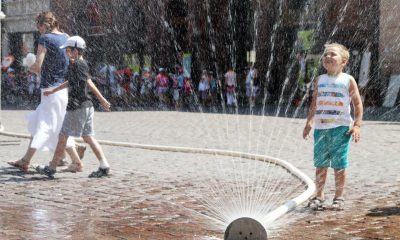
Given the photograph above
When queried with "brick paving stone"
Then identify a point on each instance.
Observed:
(160, 195)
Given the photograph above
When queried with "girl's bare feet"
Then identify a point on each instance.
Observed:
(74, 168)
(20, 164)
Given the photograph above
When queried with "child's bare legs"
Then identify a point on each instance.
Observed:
(95, 146)
(320, 174)
(76, 163)
(98, 151)
(60, 153)
(340, 180)
(24, 162)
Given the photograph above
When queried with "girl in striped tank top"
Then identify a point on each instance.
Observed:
(334, 126)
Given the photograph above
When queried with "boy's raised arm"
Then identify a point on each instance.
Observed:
(104, 103)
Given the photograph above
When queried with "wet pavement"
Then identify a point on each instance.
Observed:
(161, 195)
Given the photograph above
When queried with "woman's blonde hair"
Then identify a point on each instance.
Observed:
(344, 52)
(48, 19)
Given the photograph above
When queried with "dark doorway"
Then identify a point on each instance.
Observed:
(176, 17)
(15, 40)
(242, 31)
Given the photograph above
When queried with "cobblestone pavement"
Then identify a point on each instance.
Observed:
(158, 195)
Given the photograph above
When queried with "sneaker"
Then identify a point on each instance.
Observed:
(45, 170)
(81, 150)
(101, 172)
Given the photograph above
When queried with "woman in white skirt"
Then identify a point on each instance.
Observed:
(44, 124)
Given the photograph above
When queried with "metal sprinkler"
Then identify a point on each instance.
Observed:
(245, 229)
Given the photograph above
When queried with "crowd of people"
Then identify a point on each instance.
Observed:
(151, 87)
(19, 86)
(159, 88)
(172, 87)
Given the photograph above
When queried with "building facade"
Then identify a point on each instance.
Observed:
(19, 27)
(219, 34)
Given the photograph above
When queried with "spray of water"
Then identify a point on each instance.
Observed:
(250, 188)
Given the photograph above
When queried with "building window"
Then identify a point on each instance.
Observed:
(28, 43)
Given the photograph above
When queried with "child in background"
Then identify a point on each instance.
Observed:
(33, 84)
(162, 85)
(78, 120)
(10, 82)
(204, 87)
(251, 87)
(213, 87)
(230, 85)
(334, 126)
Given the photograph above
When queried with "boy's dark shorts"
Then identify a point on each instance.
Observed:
(331, 147)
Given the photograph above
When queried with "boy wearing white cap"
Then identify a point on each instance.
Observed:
(78, 120)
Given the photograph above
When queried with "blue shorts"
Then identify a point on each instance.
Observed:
(331, 147)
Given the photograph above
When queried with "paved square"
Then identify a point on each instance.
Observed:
(162, 195)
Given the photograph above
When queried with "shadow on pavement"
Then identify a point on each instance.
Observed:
(10, 174)
(385, 211)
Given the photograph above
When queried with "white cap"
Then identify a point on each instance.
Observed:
(74, 42)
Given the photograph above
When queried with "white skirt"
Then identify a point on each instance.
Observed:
(44, 124)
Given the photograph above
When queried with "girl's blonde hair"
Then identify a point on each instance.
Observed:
(344, 52)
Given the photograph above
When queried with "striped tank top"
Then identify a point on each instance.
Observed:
(333, 102)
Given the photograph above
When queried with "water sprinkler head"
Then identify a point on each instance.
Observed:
(245, 229)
